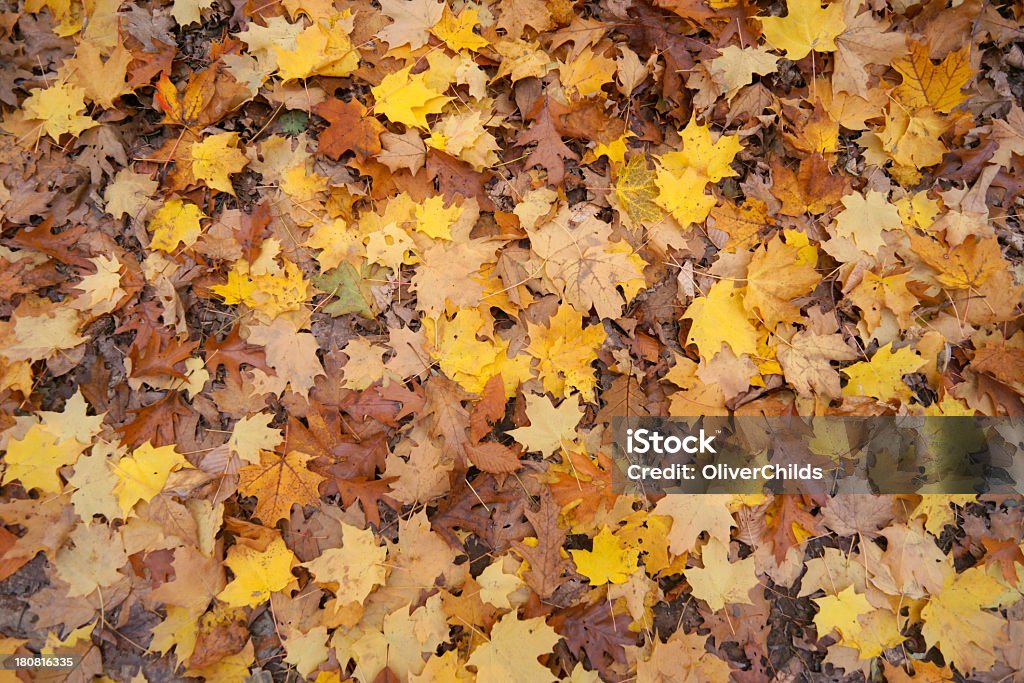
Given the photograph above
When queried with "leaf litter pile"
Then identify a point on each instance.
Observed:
(316, 314)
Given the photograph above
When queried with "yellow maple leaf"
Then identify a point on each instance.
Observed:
(253, 433)
(457, 32)
(636, 191)
(933, 85)
(969, 265)
(59, 108)
(682, 195)
(808, 26)
(614, 149)
(143, 474)
(955, 620)
(876, 293)
(865, 218)
(215, 158)
(353, 570)
(882, 376)
(512, 650)
(587, 74)
(918, 210)
(406, 98)
(874, 633)
(35, 458)
(935, 508)
(610, 561)
(270, 293)
(721, 581)
(911, 137)
(463, 135)
(257, 573)
(840, 613)
(693, 515)
(323, 48)
(434, 219)
(461, 354)
(585, 265)
(174, 223)
(93, 559)
(101, 291)
(550, 427)
(778, 274)
(564, 351)
(471, 361)
(278, 483)
(38, 330)
(721, 318)
(711, 159)
(521, 59)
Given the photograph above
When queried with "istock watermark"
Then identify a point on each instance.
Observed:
(753, 454)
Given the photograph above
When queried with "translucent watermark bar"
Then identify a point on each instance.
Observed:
(824, 454)
(31, 662)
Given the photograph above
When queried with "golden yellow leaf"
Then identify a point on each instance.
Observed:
(711, 159)
(967, 266)
(257, 573)
(406, 98)
(808, 26)
(143, 474)
(587, 73)
(59, 109)
(840, 612)
(103, 82)
(323, 48)
(721, 318)
(882, 376)
(955, 620)
(876, 293)
(215, 158)
(174, 223)
(35, 458)
(434, 219)
(278, 483)
(929, 85)
(636, 191)
(778, 274)
(610, 561)
(457, 32)
(683, 195)
(564, 351)
(272, 292)
(911, 138)
(464, 136)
